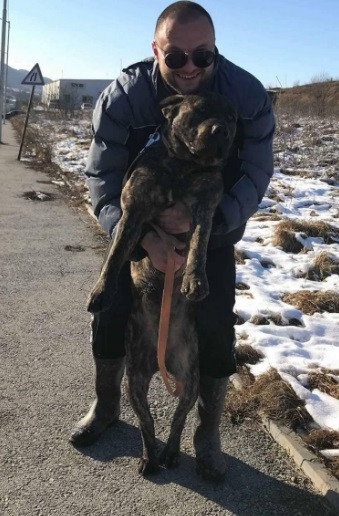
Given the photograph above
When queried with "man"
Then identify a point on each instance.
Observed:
(185, 61)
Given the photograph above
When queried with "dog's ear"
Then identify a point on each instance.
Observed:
(170, 106)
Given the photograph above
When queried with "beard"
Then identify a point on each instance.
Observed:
(204, 85)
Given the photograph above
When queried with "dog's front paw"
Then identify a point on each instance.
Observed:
(100, 298)
(147, 466)
(195, 287)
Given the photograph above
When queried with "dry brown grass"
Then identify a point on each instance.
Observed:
(325, 440)
(245, 354)
(326, 370)
(240, 319)
(266, 319)
(271, 396)
(241, 286)
(284, 233)
(276, 319)
(34, 145)
(262, 216)
(323, 382)
(239, 256)
(296, 172)
(310, 302)
(333, 464)
(322, 267)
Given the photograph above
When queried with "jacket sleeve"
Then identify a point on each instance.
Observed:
(108, 155)
(256, 156)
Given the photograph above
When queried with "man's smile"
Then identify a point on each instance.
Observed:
(188, 77)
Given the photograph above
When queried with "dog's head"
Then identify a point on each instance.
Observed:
(199, 128)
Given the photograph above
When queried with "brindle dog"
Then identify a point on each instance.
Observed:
(185, 165)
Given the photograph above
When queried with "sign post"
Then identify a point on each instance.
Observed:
(33, 78)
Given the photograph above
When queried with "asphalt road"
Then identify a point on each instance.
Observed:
(47, 383)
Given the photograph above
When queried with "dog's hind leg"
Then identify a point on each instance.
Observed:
(170, 456)
(138, 385)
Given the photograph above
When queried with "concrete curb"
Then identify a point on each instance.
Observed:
(307, 461)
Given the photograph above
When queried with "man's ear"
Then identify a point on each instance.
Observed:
(170, 106)
(155, 50)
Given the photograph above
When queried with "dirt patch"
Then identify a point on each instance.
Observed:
(36, 195)
(75, 248)
(310, 302)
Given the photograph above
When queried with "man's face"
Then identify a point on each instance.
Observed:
(173, 36)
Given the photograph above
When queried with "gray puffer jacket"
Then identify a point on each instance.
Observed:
(127, 113)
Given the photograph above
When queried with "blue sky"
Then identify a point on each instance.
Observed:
(293, 40)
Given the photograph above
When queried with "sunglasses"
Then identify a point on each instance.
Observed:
(178, 58)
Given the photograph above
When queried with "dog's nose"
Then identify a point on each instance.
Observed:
(219, 130)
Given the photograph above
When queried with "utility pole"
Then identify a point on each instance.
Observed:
(2, 67)
(6, 74)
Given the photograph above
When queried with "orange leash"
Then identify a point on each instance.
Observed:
(165, 313)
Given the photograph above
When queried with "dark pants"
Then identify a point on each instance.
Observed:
(214, 317)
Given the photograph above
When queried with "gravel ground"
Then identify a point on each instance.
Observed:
(48, 383)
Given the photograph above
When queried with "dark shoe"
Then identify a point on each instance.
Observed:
(211, 463)
(106, 408)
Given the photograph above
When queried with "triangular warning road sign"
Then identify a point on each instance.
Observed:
(34, 77)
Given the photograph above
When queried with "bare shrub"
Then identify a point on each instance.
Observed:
(310, 302)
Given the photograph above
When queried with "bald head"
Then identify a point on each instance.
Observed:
(182, 13)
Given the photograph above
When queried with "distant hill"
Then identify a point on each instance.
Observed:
(15, 77)
(317, 98)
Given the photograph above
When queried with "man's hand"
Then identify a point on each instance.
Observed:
(175, 220)
(157, 251)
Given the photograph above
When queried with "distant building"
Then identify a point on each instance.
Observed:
(71, 93)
